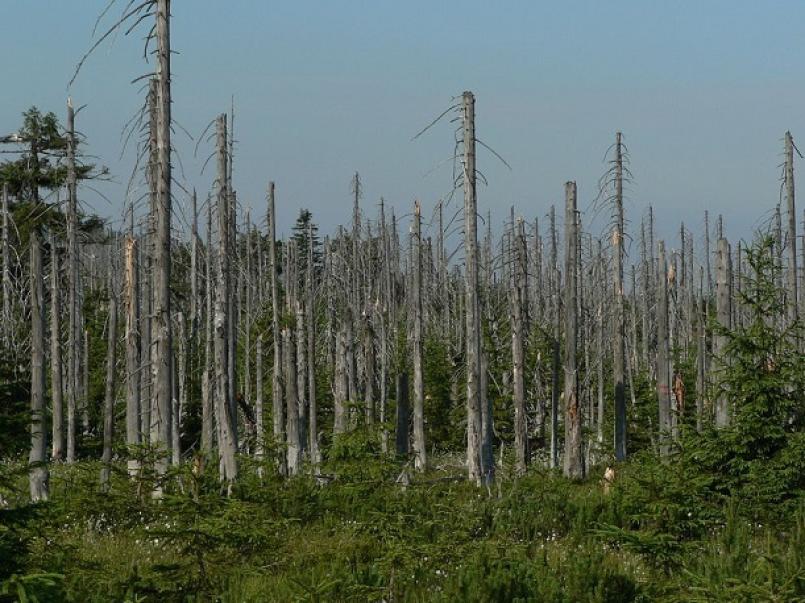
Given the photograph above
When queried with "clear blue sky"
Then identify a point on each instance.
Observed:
(703, 91)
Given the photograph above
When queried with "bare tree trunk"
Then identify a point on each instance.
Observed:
(72, 287)
(420, 453)
(259, 451)
(519, 295)
(57, 389)
(109, 393)
(313, 426)
(555, 358)
(38, 472)
(340, 385)
(663, 353)
(473, 318)
(701, 354)
(294, 449)
(132, 296)
(618, 359)
(227, 444)
(792, 228)
(574, 451)
(163, 348)
(207, 385)
(278, 413)
(723, 314)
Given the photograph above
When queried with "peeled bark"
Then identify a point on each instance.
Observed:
(792, 229)
(38, 472)
(162, 333)
(132, 297)
(227, 443)
(278, 412)
(420, 453)
(618, 340)
(723, 315)
(109, 392)
(56, 386)
(519, 295)
(574, 453)
(472, 310)
(663, 353)
(74, 320)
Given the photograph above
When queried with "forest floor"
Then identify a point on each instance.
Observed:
(662, 532)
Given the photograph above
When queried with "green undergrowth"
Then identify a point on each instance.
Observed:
(666, 531)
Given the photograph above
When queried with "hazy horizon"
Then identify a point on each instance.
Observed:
(703, 93)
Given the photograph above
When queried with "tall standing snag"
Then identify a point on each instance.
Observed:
(792, 228)
(723, 315)
(574, 453)
(420, 454)
(617, 342)
(38, 475)
(132, 296)
(163, 350)
(473, 318)
(55, 355)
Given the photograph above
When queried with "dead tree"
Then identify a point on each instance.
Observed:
(723, 315)
(109, 392)
(472, 305)
(574, 451)
(162, 342)
(792, 229)
(618, 339)
(278, 412)
(57, 389)
(519, 296)
(132, 297)
(227, 442)
(663, 353)
(313, 426)
(74, 319)
(38, 472)
(420, 453)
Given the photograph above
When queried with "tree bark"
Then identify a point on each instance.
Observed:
(472, 310)
(38, 472)
(132, 296)
(574, 453)
(163, 346)
(56, 386)
(109, 392)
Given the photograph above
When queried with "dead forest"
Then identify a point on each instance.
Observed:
(449, 349)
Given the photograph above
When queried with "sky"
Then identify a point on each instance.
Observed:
(703, 92)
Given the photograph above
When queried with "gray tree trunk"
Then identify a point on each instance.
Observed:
(74, 319)
(278, 412)
(663, 353)
(792, 229)
(163, 347)
(574, 450)
(227, 443)
(56, 386)
(723, 315)
(109, 392)
(38, 473)
(519, 296)
(618, 339)
(420, 453)
(132, 297)
(472, 310)
(313, 426)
